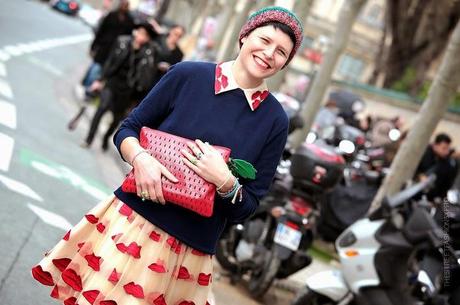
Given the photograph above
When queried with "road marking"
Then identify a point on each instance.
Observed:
(4, 56)
(45, 65)
(5, 89)
(8, 114)
(13, 50)
(64, 174)
(6, 151)
(23, 48)
(20, 188)
(51, 218)
(2, 70)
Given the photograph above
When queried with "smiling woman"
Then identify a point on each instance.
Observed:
(168, 248)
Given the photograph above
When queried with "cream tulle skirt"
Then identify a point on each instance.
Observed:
(115, 256)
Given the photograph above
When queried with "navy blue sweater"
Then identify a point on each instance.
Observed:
(184, 103)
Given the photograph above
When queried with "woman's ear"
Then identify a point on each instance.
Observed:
(243, 40)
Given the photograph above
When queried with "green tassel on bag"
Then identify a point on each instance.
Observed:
(242, 169)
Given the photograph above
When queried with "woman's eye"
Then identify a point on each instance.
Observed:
(281, 52)
(265, 40)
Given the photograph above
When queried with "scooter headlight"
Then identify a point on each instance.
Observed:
(347, 240)
(347, 146)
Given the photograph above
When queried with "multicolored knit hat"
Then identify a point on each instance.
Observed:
(276, 14)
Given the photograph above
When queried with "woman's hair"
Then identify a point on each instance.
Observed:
(279, 26)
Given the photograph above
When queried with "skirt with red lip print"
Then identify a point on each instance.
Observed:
(114, 256)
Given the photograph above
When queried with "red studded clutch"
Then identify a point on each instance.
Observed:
(191, 192)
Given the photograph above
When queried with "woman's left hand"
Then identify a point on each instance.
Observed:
(207, 162)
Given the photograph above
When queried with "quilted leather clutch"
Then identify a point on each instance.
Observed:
(191, 192)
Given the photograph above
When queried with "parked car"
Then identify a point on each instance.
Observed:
(70, 7)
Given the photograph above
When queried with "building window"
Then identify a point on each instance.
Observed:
(373, 16)
(350, 68)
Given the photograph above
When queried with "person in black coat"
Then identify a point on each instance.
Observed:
(438, 159)
(168, 51)
(127, 76)
(116, 23)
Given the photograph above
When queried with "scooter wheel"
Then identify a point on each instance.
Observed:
(261, 282)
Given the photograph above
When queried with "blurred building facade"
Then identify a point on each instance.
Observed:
(356, 64)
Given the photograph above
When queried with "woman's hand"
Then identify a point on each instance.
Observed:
(207, 162)
(147, 173)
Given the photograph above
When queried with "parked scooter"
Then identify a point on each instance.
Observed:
(374, 255)
(274, 242)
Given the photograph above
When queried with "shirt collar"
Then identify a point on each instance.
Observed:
(224, 81)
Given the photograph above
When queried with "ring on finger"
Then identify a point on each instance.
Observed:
(194, 161)
(199, 155)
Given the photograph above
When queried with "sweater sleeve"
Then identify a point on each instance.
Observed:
(153, 109)
(254, 190)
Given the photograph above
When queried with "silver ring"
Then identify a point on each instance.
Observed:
(194, 161)
(199, 155)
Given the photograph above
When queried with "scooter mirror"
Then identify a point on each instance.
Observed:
(453, 196)
(311, 137)
(394, 134)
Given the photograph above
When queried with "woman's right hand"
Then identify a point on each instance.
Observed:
(147, 173)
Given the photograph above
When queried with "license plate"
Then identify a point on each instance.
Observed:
(287, 237)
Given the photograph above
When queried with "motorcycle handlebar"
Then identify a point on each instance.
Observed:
(410, 192)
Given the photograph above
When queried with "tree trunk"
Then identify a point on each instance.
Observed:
(205, 8)
(417, 32)
(263, 3)
(441, 92)
(162, 10)
(231, 35)
(229, 11)
(302, 10)
(347, 17)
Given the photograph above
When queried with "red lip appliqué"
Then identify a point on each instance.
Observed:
(204, 279)
(114, 276)
(126, 210)
(66, 236)
(183, 274)
(100, 227)
(70, 301)
(91, 218)
(158, 267)
(71, 278)
(133, 249)
(42, 276)
(134, 290)
(61, 263)
(155, 236)
(91, 295)
(93, 261)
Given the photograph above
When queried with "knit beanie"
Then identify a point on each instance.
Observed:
(275, 14)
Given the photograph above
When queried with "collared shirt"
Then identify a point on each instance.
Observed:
(225, 81)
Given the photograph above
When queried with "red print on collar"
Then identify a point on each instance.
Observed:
(224, 81)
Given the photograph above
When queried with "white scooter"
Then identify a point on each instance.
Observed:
(374, 254)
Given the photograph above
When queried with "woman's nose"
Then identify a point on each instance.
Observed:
(269, 52)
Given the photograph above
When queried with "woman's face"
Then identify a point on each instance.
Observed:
(265, 51)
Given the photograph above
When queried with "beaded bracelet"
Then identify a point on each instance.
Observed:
(233, 192)
(136, 155)
(225, 182)
(230, 192)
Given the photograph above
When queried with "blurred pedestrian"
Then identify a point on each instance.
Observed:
(438, 159)
(381, 135)
(116, 23)
(168, 50)
(138, 249)
(128, 75)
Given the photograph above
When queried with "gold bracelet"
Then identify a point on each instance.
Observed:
(136, 155)
(225, 182)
